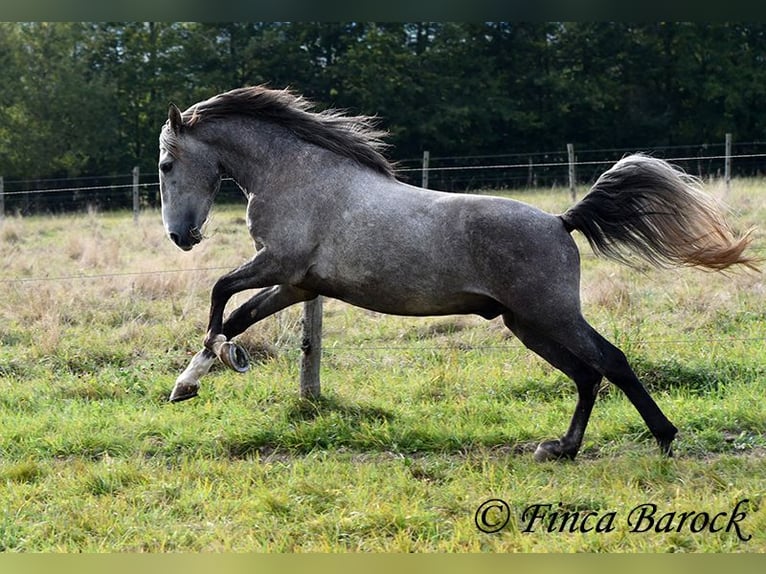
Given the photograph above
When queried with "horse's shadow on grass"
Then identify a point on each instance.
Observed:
(304, 410)
(323, 423)
(670, 374)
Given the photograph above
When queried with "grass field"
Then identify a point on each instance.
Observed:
(421, 420)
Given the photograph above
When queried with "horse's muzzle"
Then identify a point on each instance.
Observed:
(186, 240)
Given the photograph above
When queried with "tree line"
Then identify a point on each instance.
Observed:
(79, 99)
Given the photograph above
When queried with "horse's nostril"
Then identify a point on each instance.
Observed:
(175, 238)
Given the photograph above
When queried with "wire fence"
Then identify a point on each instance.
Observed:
(550, 169)
(110, 275)
(449, 173)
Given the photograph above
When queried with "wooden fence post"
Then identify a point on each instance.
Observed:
(2, 199)
(571, 155)
(530, 174)
(727, 164)
(426, 158)
(136, 174)
(311, 348)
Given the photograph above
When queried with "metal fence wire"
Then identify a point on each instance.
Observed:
(454, 174)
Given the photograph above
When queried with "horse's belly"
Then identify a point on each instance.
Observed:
(409, 298)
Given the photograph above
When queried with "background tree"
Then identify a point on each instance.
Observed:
(89, 99)
(55, 109)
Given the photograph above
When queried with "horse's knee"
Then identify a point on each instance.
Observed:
(212, 340)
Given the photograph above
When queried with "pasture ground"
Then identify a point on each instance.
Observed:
(421, 420)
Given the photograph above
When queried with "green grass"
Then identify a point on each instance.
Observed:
(421, 420)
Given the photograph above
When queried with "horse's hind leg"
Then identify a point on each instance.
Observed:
(261, 305)
(586, 379)
(589, 346)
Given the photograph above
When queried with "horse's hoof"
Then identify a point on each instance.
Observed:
(234, 357)
(666, 448)
(183, 393)
(551, 450)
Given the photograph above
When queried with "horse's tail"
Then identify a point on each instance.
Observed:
(644, 206)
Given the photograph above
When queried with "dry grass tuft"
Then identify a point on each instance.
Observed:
(11, 231)
(608, 290)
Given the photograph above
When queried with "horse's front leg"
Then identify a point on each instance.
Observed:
(187, 383)
(257, 273)
(261, 305)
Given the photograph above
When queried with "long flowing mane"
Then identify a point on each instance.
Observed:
(355, 137)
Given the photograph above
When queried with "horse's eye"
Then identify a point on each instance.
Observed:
(166, 166)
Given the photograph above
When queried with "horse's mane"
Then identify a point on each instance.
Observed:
(354, 137)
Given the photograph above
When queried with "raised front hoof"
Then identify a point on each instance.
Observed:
(234, 357)
(552, 450)
(183, 393)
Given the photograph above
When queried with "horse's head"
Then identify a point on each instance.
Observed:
(189, 179)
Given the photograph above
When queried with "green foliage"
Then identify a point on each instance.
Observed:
(89, 98)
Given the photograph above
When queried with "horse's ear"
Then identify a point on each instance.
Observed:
(174, 117)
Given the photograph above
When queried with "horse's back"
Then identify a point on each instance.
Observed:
(525, 255)
(406, 250)
(485, 234)
(515, 231)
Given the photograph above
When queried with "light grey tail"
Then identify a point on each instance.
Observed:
(646, 207)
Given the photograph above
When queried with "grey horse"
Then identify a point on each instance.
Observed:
(328, 217)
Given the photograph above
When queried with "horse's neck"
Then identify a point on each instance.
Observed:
(245, 152)
(271, 161)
